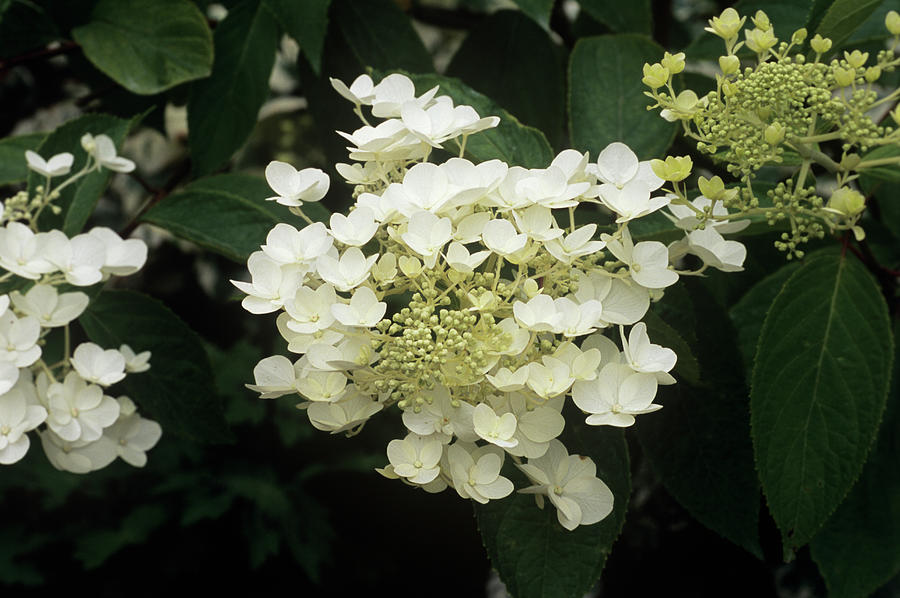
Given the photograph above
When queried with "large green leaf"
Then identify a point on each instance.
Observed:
(699, 443)
(525, 74)
(13, 168)
(78, 199)
(606, 96)
(749, 313)
(511, 141)
(843, 18)
(380, 35)
(226, 213)
(820, 379)
(858, 550)
(178, 390)
(621, 17)
(307, 23)
(539, 10)
(147, 46)
(223, 108)
(535, 556)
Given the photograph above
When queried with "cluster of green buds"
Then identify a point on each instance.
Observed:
(789, 107)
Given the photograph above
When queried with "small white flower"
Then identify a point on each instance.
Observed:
(364, 309)
(343, 415)
(123, 256)
(648, 261)
(499, 430)
(356, 229)
(476, 472)
(275, 376)
(426, 234)
(17, 416)
(574, 245)
(79, 411)
(103, 150)
(616, 395)
(135, 363)
(349, 271)
(500, 236)
(271, 284)
(643, 356)
(416, 458)
(132, 436)
(48, 307)
(361, 91)
(23, 252)
(295, 187)
(58, 165)
(98, 366)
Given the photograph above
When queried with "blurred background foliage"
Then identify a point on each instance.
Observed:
(245, 491)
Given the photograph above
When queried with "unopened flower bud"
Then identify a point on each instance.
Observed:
(760, 40)
(873, 73)
(761, 20)
(713, 189)
(850, 161)
(673, 62)
(895, 114)
(856, 58)
(728, 89)
(774, 134)
(531, 288)
(892, 22)
(729, 64)
(655, 75)
(410, 266)
(843, 77)
(820, 44)
(727, 24)
(799, 36)
(847, 201)
(675, 168)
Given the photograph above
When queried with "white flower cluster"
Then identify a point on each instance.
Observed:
(80, 427)
(502, 302)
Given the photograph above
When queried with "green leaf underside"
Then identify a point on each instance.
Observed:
(13, 168)
(78, 199)
(525, 74)
(148, 46)
(539, 10)
(858, 550)
(307, 23)
(749, 313)
(622, 17)
(381, 36)
(535, 556)
(606, 96)
(223, 108)
(226, 213)
(843, 18)
(510, 141)
(819, 385)
(699, 442)
(178, 389)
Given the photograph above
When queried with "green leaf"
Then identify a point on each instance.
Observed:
(535, 556)
(606, 96)
(843, 18)
(222, 109)
(749, 313)
(227, 213)
(873, 28)
(858, 550)
(78, 199)
(511, 141)
(178, 390)
(709, 470)
(885, 172)
(381, 36)
(819, 385)
(95, 547)
(13, 167)
(538, 10)
(622, 17)
(525, 73)
(147, 46)
(307, 23)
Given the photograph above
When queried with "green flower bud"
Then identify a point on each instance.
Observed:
(727, 24)
(774, 134)
(850, 161)
(843, 77)
(760, 40)
(713, 188)
(892, 22)
(675, 63)
(873, 73)
(895, 114)
(820, 44)
(675, 168)
(847, 201)
(761, 20)
(799, 36)
(655, 75)
(729, 64)
(856, 58)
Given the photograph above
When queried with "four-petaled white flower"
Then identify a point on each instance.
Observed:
(295, 187)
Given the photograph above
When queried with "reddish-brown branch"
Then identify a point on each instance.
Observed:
(63, 48)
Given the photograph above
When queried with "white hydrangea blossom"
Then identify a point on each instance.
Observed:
(81, 428)
(510, 300)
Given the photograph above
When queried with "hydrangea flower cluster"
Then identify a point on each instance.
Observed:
(785, 103)
(466, 298)
(80, 427)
